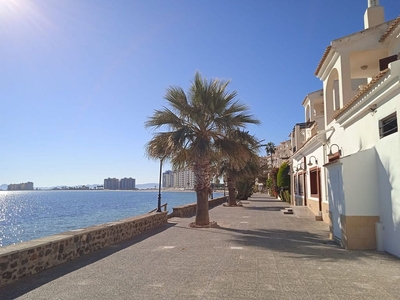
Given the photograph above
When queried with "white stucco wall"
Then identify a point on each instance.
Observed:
(371, 164)
(388, 171)
(360, 184)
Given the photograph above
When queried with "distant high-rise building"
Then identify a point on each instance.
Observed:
(26, 186)
(183, 179)
(111, 184)
(123, 184)
(127, 184)
(168, 179)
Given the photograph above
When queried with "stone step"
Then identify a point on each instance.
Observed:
(287, 211)
(318, 218)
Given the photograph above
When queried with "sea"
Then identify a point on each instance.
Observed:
(28, 215)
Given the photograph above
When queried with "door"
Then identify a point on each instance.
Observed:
(335, 197)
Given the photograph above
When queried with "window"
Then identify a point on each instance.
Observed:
(314, 179)
(295, 184)
(384, 62)
(388, 125)
(336, 100)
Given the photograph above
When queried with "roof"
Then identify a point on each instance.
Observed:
(393, 25)
(308, 95)
(304, 125)
(321, 62)
(361, 93)
(390, 29)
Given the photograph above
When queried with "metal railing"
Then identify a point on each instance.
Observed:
(164, 205)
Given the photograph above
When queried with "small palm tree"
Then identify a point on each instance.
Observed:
(246, 183)
(198, 126)
(237, 166)
(270, 149)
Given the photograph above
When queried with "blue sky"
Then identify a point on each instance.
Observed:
(80, 77)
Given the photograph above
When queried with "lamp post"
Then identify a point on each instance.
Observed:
(224, 179)
(159, 187)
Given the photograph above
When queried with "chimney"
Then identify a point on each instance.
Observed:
(374, 15)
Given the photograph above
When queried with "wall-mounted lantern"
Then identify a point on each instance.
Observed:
(309, 160)
(330, 150)
(300, 167)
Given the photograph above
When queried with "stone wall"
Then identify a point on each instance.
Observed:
(189, 210)
(22, 259)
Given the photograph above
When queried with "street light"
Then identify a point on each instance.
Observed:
(225, 184)
(159, 187)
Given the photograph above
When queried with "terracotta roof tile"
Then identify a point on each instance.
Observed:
(390, 29)
(361, 93)
(321, 62)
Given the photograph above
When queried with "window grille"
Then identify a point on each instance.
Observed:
(388, 125)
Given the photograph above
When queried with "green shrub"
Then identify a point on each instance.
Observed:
(287, 196)
(283, 178)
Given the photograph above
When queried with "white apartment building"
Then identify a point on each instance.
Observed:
(180, 179)
(127, 183)
(346, 168)
(168, 179)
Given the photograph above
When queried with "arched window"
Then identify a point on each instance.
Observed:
(332, 96)
(308, 113)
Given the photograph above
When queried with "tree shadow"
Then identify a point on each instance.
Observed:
(263, 200)
(31, 282)
(296, 243)
(265, 208)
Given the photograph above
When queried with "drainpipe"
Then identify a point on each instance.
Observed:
(305, 181)
(324, 159)
(319, 191)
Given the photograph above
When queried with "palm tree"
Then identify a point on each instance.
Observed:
(246, 182)
(237, 167)
(270, 149)
(197, 126)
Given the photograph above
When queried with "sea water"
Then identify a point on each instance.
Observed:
(28, 215)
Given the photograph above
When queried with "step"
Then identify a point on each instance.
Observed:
(318, 218)
(287, 209)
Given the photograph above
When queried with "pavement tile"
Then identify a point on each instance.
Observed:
(244, 294)
(269, 286)
(257, 253)
(268, 277)
(297, 288)
(324, 296)
(273, 295)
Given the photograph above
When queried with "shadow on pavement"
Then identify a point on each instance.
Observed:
(301, 244)
(29, 283)
(265, 208)
(263, 200)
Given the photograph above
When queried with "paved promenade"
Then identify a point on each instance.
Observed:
(255, 253)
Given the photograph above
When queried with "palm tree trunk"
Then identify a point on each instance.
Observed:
(202, 215)
(231, 192)
(202, 173)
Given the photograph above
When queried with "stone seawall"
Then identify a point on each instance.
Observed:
(189, 210)
(22, 259)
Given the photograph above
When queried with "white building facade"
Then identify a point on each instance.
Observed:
(361, 152)
(179, 179)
